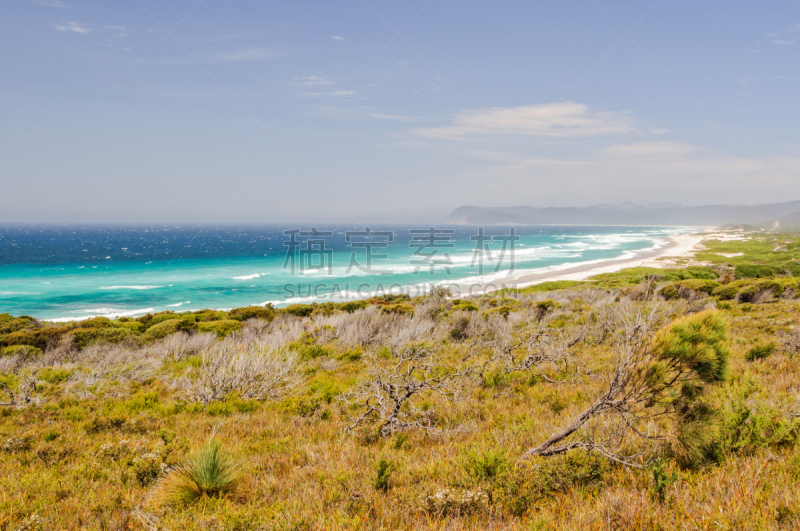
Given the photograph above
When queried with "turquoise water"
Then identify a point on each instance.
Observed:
(70, 272)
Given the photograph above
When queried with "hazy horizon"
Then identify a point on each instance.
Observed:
(376, 112)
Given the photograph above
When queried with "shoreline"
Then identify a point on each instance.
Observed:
(677, 247)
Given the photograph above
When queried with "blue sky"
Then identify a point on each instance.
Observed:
(374, 111)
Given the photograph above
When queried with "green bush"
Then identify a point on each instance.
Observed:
(465, 306)
(553, 285)
(547, 305)
(161, 330)
(133, 326)
(694, 272)
(524, 485)
(759, 352)
(661, 480)
(725, 293)
(310, 352)
(777, 285)
(53, 376)
(37, 337)
(670, 291)
(747, 429)
(81, 338)
(212, 473)
(503, 310)
(700, 285)
(206, 316)
(753, 271)
(25, 351)
(401, 308)
(395, 298)
(299, 310)
(221, 328)
(353, 354)
(748, 293)
(674, 291)
(488, 465)
(265, 313)
(383, 475)
(352, 306)
(160, 317)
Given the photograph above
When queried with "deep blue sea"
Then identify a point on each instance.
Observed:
(75, 272)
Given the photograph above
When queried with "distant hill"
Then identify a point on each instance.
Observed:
(630, 214)
(792, 221)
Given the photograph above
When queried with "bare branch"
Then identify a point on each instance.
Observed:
(387, 397)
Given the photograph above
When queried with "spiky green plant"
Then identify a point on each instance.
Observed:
(210, 473)
(383, 474)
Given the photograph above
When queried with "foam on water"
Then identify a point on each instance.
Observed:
(70, 273)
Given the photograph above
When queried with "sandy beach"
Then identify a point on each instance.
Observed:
(680, 246)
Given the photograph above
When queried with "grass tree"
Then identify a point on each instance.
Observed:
(211, 473)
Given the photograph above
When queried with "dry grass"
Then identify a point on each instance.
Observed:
(95, 450)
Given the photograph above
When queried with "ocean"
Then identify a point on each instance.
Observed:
(71, 272)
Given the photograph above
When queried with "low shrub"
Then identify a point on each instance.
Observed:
(488, 465)
(212, 472)
(23, 351)
(299, 310)
(252, 372)
(503, 310)
(547, 305)
(352, 306)
(265, 313)
(161, 330)
(759, 352)
(725, 293)
(222, 328)
(459, 330)
(401, 308)
(753, 271)
(526, 484)
(670, 291)
(383, 475)
(310, 352)
(53, 375)
(691, 286)
(464, 306)
(353, 354)
(748, 293)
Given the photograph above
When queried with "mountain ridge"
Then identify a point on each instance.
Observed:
(628, 213)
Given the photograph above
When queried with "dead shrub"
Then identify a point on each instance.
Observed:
(254, 372)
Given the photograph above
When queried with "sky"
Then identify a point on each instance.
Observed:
(203, 111)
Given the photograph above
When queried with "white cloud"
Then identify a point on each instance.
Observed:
(312, 81)
(71, 25)
(782, 42)
(398, 117)
(673, 171)
(650, 149)
(563, 119)
(338, 38)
